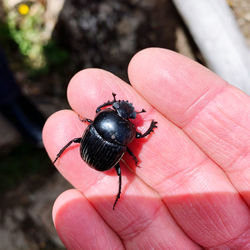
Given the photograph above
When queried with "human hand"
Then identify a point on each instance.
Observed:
(193, 187)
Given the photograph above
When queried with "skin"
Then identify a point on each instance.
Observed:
(192, 189)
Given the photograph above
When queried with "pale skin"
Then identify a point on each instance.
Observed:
(192, 189)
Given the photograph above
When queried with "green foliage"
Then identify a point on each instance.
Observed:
(55, 55)
(5, 36)
(27, 34)
(26, 31)
(55, 58)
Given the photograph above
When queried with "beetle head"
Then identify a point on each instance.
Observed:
(125, 109)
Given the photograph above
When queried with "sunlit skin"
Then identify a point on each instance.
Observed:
(193, 185)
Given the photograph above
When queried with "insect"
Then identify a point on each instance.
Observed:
(105, 140)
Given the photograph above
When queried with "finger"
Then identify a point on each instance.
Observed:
(214, 114)
(79, 226)
(173, 165)
(139, 210)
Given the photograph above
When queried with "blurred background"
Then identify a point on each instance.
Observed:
(42, 45)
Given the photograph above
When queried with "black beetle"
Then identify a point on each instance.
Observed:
(106, 138)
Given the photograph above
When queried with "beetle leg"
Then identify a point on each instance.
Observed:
(150, 129)
(142, 111)
(85, 119)
(133, 156)
(76, 140)
(114, 95)
(118, 171)
(108, 103)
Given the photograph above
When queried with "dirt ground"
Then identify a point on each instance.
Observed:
(102, 34)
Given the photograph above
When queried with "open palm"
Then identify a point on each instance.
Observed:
(192, 189)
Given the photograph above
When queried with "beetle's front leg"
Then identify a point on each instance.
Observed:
(150, 129)
(108, 103)
(85, 119)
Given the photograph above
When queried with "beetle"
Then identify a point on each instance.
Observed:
(105, 140)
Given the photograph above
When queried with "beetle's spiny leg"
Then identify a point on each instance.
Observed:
(150, 129)
(133, 156)
(76, 140)
(118, 171)
(84, 119)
